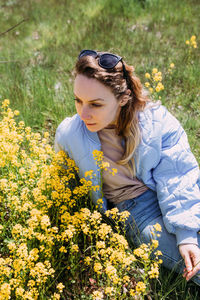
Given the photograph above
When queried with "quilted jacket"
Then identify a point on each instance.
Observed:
(164, 162)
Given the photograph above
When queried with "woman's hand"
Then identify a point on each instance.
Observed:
(191, 255)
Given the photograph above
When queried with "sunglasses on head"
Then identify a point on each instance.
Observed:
(106, 60)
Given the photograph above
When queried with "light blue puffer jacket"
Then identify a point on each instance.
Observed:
(164, 162)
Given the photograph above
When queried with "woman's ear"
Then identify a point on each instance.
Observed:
(125, 98)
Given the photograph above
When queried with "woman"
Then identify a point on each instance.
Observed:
(157, 178)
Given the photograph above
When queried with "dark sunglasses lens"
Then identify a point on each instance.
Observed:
(87, 52)
(108, 61)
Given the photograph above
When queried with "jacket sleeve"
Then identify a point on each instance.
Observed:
(57, 146)
(58, 143)
(176, 177)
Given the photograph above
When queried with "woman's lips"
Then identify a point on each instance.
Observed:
(91, 124)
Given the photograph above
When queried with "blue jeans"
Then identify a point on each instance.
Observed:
(144, 213)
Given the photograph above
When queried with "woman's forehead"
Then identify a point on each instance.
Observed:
(90, 88)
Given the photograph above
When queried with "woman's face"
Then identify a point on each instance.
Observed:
(95, 103)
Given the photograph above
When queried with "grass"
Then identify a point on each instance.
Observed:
(37, 59)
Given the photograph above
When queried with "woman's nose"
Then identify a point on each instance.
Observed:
(85, 113)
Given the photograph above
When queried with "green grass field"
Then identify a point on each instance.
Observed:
(37, 59)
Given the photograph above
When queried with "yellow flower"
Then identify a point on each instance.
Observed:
(147, 75)
(154, 272)
(88, 260)
(100, 244)
(109, 290)
(89, 174)
(60, 287)
(110, 270)
(124, 215)
(154, 243)
(5, 291)
(154, 70)
(46, 135)
(17, 230)
(56, 296)
(126, 279)
(158, 253)
(63, 249)
(140, 287)
(97, 295)
(45, 222)
(74, 248)
(16, 113)
(5, 103)
(172, 65)
(157, 227)
(132, 292)
(105, 165)
(147, 84)
(113, 171)
(193, 38)
(98, 268)
(138, 251)
(19, 292)
(159, 87)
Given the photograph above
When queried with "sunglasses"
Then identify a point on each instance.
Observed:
(106, 60)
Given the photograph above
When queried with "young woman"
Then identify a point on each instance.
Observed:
(157, 177)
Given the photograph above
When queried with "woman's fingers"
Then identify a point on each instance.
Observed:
(191, 256)
(188, 262)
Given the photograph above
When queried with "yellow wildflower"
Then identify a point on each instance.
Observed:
(154, 70)
(60, 287)
(56, 296)
(97, 295)
(140, 287)
(154, 243)
(157, 227)
(19, 291)
(147, 75)
(89, 174)
(63, 249)
(154, 272)
(5, 103)
(88, 260)
(98, 268)
(109, 290)
(74, 248)
(5, 291)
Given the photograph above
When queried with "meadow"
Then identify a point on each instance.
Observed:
(39, 44)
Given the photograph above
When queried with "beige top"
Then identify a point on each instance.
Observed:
(122, 186)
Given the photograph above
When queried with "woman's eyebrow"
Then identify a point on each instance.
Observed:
(92, 100)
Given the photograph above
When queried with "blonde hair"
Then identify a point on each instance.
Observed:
(131, 88)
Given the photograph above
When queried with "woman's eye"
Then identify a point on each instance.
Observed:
(96, 105)
(77, 100)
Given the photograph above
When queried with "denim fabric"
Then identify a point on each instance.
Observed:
(143, 209)
(167, 244)
(144, 213)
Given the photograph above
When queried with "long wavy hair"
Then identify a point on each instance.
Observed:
(130, 87)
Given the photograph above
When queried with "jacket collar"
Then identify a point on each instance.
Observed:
(91, 135)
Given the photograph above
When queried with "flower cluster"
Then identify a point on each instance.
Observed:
(50, 233)
(103, 165)
(192, 42)
(154, 83)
